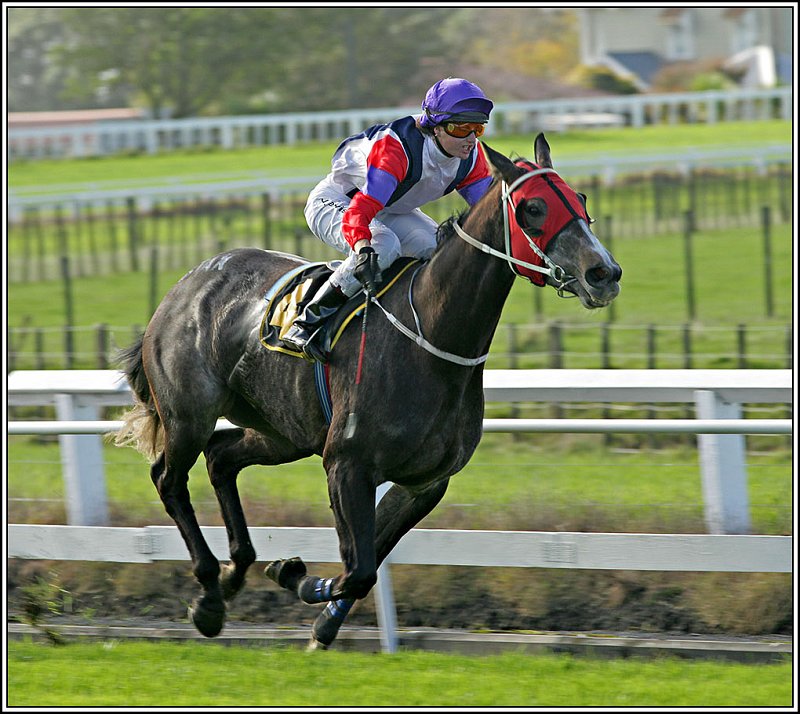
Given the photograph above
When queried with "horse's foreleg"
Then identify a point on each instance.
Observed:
(398, 512)
(353, 504)
(171, 479)
(291, 574)
(352, 496)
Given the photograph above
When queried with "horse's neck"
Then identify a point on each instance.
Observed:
(461, 292)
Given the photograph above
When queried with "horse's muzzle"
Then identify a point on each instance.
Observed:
(600, 284)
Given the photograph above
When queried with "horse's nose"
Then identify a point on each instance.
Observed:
(604, 274)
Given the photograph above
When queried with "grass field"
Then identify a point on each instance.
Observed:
(728, 273)
(653, 293)
(539, 482)
(534, 482)
(127, 674)
(314, 158)
(652, 287)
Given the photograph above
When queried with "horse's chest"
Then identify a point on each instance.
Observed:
(438, 447)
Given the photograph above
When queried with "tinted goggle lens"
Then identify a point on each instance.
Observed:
(461, 130)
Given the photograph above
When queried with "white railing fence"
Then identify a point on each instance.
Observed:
(513, 549)
(717, 394)
(155, 135)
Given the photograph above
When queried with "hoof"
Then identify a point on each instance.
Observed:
(207, 619)
(230, 582)
(287, 573)
(324, 631)
(315, 645)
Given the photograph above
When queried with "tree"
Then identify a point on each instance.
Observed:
(35, 83)
(354, 57)
(179, 60)
(538, 42)
(186, 61)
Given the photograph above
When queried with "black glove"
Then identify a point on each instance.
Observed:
(367, 271)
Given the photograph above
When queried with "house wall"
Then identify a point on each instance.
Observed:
(716, 32)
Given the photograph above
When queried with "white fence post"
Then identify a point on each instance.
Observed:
(82, 464)
(384, 597)
(723, 467)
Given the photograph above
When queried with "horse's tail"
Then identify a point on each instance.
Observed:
(142, 428)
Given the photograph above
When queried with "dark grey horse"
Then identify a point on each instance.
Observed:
(419, 410)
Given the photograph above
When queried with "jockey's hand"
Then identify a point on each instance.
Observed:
(367, 271)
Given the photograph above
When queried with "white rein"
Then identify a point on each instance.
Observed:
(554, 271)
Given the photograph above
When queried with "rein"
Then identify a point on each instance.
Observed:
(556, 272)
(418, 337)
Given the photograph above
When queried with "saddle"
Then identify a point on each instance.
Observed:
(287, 299)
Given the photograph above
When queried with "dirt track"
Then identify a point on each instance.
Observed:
(452, 598)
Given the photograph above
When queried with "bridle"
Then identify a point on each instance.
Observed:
(554, 271)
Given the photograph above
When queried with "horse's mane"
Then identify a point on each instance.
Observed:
(445, 229)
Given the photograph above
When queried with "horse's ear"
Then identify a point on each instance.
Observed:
(502, 167)
(541, 150)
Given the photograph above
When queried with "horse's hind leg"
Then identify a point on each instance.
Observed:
(170, 474)
(398, 512)
(227, 453)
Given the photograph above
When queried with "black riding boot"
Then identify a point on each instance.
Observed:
(322, 306)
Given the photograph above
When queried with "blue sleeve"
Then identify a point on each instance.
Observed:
(473, 192)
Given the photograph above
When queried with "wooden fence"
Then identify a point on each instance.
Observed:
(550, 344)
(89, 236)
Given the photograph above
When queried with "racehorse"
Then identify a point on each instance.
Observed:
(413, 418)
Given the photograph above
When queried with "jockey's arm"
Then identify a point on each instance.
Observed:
(386, 166)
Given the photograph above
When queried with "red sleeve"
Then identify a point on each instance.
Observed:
(388, 156)
(357, 217)
(387, 165)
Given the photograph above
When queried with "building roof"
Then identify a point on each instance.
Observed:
(76, 116)
(643, 64)
(784, 68)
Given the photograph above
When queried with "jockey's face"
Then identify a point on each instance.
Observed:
(460, 147)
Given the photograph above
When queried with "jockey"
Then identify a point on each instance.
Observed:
(368, 206)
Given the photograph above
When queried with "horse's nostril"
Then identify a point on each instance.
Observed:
(598, 275)
(602, 274)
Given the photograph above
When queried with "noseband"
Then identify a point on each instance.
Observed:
(556, 272)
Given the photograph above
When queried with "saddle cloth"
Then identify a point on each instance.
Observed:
(287, 299)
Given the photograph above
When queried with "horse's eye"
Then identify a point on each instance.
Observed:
(531, 215)
(534, 209)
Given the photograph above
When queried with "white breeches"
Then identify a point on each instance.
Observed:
(393, 234)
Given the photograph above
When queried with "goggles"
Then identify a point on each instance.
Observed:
(461, 130)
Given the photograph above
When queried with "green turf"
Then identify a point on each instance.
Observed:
(114, 674)
(314, 158)
(729, 290)
(529, 482)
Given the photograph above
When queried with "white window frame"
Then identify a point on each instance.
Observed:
(745, 31)
(680, 37)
